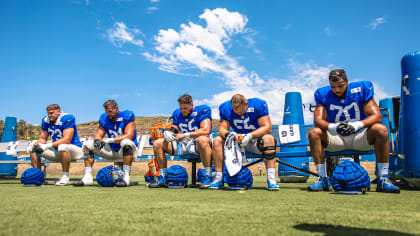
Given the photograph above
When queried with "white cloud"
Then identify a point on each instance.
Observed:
(287, 27)
(124, 52)
(205, 48)
(120, 34)
(327, 31)
(152, 9)
(376, 22)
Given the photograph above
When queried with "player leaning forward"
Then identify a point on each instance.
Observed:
(121, 142)
(65, 145)
(347, 117)
(249, 118)
(190, 131)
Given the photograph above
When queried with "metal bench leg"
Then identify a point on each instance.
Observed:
(193, 174)
(356, 158)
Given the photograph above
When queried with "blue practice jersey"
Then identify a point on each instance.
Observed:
(193, 121)
(247, 123)
(116, 129)
(55, 131)
(349, 108)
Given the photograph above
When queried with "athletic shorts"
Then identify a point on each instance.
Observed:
(107, 153)
(357, 141)
(76, 152)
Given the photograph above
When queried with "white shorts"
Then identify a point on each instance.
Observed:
(189, 145)
(252, 147)
(357, 141)
(109, 154)
(76, 152)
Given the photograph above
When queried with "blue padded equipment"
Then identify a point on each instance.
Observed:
(242, 180)
(177, 176)
(350, 176)
(32, 177)
(109, 175)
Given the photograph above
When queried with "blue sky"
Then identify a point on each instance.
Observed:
(145, 54)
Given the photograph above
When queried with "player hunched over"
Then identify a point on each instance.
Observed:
(347, 117)
(250, 119)
(65, 145)
(120, 128)
(189, 134)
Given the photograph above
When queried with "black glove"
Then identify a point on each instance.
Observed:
(345, 130)
(38, 149)
(98, 144)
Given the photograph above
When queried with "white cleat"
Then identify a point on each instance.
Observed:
(87, 180)
(64, 180)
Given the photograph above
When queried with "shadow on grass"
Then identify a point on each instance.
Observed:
(330, 230)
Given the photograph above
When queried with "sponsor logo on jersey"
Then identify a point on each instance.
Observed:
(194, 113)
(250, 109)
(356, 90)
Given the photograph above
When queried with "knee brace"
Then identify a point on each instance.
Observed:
(127, 150)
(266, 150)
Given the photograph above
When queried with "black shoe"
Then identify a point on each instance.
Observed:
(78, 183)
(121, 184)
(157, 185)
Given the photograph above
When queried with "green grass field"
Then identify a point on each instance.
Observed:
(137, 210)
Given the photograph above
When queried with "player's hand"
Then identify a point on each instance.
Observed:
(356, 125)
(344, 129)
(169, 136)
(42, 147)
(98, 144)
(332, 128)
(245, 140)
(230, 133)
(110, 140)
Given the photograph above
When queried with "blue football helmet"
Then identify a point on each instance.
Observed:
(109, 175)
(350, 176)
(32, 177)
(177, 176)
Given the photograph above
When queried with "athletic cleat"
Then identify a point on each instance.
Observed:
(238, 187)
(125, 182)
(205, 182)
(323, 184)
(273, 186)
(121, 183)
(64, 180)
(216, 184)
(87, 180)
(385, 185)
(161, 183)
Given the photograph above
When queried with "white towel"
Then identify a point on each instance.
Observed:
(233, 155)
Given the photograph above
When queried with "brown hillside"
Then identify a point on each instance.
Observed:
(143, 125)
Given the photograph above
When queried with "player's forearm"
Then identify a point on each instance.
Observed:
(119, 139)
(197, 133)
(370, 120)
(61, 141)
(263, 130)
(323, 124)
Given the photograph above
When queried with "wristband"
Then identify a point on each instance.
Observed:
(187, 135)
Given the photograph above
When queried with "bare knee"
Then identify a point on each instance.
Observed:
(218, 143)
(315, 134)
(379, 130)
(203, 142)
(268, 140)
(158, 144)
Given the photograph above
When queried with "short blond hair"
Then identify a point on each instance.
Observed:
(53, 107)
(238, 100)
